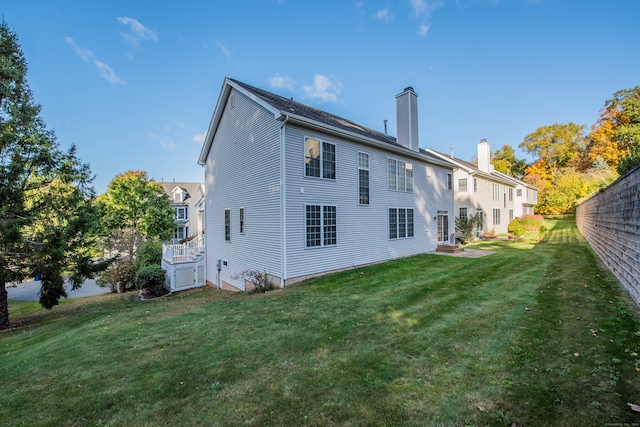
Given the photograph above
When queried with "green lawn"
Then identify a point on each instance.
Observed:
(536, 335)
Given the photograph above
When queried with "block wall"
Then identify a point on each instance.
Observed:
(610, 221)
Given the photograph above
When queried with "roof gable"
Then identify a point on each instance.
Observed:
(312, 117)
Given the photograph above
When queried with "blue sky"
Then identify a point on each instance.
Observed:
(134, 83)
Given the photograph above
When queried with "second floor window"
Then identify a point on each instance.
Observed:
(182, 213)
(462, 185)
(320, 159)
(363, 178)
(400, 175)
(449, 181)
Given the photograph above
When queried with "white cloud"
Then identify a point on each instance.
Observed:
(225, 51)
(107, 73)
(423, 9)
(137, 32)
(384, 15)
(164, 141)
(82, 52)
(86, 55)
(199, 137)
(323, 89)
(281, 82)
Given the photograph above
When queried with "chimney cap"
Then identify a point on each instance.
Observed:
(408, 89)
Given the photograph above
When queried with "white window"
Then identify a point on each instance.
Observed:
(519, 192)
(241, 220)
(462, 185)
(227, 225)
(510, 193)
(182, 213)
(463, 214)
(363, 178)
(181, 232)
(449, 181)
(400, 175)
(496, 217)
(321, 226)
(496, 191)
(320, 159)
(475, 185)
(177, 196)
(510, 215)
(400, 223)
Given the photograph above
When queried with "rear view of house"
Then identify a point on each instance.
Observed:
(294, 191)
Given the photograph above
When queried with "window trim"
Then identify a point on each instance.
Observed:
(321, 158)
(466, 185)
(360, 187)
(322, 226)
(185, 210)
(242, 219)
(449, 181)
(407, 175)
(227, 225)
(466, 213)
(408, 221)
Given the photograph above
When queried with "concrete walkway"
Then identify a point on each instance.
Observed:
(467, 253)
(29, 291)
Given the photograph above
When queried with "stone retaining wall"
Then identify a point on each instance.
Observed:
(610, 221)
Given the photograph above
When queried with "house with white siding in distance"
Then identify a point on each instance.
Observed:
(187, 200)
(296, 192)
(497, 197)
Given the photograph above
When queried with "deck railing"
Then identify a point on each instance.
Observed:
(185, 252)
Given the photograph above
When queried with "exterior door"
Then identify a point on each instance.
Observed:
(443, 226)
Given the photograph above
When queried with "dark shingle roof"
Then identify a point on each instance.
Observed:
(290, 106)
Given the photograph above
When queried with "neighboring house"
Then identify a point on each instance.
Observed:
(296, 192)
(187, 198)
(499, 198)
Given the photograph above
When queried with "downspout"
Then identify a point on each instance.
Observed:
(283, 202)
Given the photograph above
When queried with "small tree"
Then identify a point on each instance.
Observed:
(467, 227)
(517, 228)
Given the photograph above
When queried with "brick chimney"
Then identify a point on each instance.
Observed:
(484, 156)
(407, 119)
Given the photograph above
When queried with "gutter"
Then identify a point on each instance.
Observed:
(283, 200)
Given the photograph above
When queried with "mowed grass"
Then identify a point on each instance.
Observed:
(535, 334)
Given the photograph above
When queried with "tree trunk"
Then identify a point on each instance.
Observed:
(4, 308)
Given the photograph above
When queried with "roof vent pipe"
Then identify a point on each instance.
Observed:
(385, 126)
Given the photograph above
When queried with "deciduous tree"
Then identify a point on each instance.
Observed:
(504, 160)
(559, 145)
(132, 210)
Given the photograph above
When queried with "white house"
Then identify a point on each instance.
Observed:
(295, 191)
(498, 197)
(187, 199)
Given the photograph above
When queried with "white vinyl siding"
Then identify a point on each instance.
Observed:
(247, 139)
